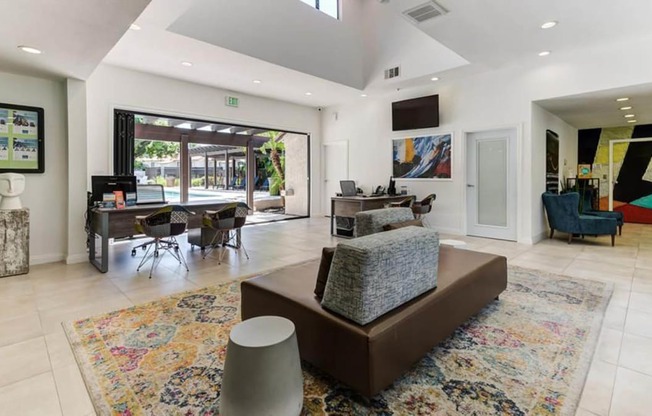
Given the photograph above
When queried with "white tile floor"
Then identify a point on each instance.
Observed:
(38, 374)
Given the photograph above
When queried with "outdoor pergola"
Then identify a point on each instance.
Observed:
(216, 141)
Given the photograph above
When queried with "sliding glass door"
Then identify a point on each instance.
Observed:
(199, 160)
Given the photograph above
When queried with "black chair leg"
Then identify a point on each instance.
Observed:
(620, 230)
(552, 232)
(570, 238)
(613, 240)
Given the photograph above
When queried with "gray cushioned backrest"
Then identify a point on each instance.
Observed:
(372, 275)
(370, 222)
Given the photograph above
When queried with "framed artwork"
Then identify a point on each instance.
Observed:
(422, 157)
(21, 139)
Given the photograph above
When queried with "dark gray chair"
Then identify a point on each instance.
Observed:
(563, 215)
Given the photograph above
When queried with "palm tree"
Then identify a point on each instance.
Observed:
(275, 147)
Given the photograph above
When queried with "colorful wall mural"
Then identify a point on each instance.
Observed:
(632, 193)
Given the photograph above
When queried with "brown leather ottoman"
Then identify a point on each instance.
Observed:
(369, 358)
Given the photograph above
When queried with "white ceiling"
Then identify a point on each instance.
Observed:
(600, 109)
(74, 35)
(231, 43)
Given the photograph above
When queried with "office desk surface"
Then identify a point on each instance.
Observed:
(119, 223)
(347, 206)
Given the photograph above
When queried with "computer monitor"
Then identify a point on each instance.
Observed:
(107, 184)
(348, 188)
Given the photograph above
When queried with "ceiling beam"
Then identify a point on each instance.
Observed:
(172, 134)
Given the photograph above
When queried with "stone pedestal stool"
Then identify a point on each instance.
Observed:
(262, 372)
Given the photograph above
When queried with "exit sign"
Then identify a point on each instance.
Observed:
(232, 101)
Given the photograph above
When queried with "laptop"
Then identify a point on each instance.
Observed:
(348, 188)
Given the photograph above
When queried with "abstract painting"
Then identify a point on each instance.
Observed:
(423, 157)
(632, 168)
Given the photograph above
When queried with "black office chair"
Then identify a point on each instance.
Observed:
(227, 224)
(163, 225)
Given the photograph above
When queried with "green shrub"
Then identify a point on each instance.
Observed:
(196, 182)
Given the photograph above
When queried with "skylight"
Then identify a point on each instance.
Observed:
(330, 7)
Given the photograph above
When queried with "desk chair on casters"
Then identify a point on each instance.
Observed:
(227, 224)
(163, 226)
(148, 194)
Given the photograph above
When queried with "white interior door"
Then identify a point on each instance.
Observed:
(491, 184)
(336, 168)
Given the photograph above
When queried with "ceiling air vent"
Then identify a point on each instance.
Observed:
(392, 72)
(425, 11)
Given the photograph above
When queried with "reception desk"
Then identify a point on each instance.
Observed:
(343, 209)
(119, 223)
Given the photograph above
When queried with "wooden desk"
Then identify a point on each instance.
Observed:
(118, 223)
(347, 206)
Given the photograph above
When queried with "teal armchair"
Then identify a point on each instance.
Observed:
(563, 215)
(587, 209)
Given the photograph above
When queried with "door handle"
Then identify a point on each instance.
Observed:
(468, 185)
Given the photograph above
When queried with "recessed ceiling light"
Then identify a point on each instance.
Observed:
(134, 26)
(186, 63)
(308, 93)
(629, 107)
(434, 79)
(622, 99)
(549, 24)
(631, 121)
(257, 81)
(629, 115)
(29, 49)
(544, 53)
(363, 95)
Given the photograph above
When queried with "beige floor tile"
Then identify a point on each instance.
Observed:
(20, 329)
(609, 345)
(23, 360)
(35, 396)
(584, 412)
(642, 282)
(641, 302)
(543, 262)
(16, 306)
(620, 297)
(59, 350)
(157, 291)
(73, 396)
(639, 323)
(636, 354)
(628, 260)
(631, 396)
(644, 263)
(614, 317)
(599, 385)
(51, 319)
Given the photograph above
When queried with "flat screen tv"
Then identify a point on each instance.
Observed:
(417, 113)
(21, 139)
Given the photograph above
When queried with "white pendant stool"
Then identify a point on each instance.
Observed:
(262, 371)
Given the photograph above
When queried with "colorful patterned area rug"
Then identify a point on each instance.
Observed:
(526, 354)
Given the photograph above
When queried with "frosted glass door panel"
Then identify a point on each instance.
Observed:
(492, 182)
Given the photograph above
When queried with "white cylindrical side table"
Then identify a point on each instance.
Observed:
(454, 243)
(262, 371)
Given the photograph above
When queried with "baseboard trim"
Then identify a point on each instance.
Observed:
(539, 237)
(46, 258)
(77, 258)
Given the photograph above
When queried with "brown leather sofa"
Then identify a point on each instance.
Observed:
(369, 358)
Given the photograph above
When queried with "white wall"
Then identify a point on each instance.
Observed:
(543, 120)
(496, 99)
(76, 169)
(45, 194)
(111, 87)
